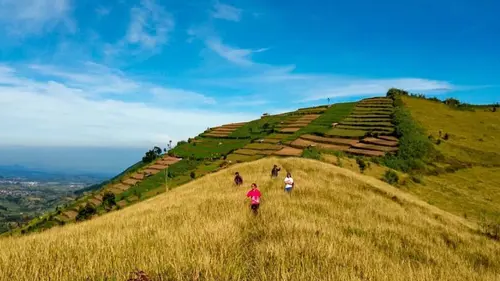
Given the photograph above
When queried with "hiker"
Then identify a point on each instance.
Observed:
(254, 195)
(274, 172)
(288, 183)
(238, 180)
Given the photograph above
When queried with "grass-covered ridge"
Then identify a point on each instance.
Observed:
(337, 225)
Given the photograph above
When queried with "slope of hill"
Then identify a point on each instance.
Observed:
(466, 179)
(336, 225)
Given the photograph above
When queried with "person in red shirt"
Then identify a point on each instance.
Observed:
(254, 195)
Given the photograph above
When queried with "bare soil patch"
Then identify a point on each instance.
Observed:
(251, 152)
(151, 171)
(130, 181)
(339, 141)
(70, 214)
(95, 202)
(289, 130)
(378, 141)
(389, 138)
(158, 167)
(137, 176)
(121, 203)
(121, 186)
(288, 151)
(375, 147)
(365, 152)
(302, 143)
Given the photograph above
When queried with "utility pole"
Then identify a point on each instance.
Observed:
(169, 145)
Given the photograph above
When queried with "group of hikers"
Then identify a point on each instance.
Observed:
(254, 194)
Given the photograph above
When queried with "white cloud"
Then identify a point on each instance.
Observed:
(181, 96)
(96, 78)
(227, 12)
(149, 26)
(234, 55)
(50, 113)
(368, 87)
(26, 17)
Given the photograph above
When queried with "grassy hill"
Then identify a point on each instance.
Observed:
(466, 179)
(443, 154)
(336, 225)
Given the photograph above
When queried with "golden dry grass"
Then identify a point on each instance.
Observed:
(336, 225)
(473, 139)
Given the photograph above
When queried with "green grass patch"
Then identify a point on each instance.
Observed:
(208, 148)
(319, 126)
(367, 124)
(263, 146)
(257, 128)
(238, 158)
(336, 132)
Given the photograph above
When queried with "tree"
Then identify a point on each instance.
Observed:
(157, 150)
(149, 156)
(393, 92)
(452, 102)
(88, 211)
(109, 200)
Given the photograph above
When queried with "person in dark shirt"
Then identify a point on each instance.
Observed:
(238, 180)
(274, 172)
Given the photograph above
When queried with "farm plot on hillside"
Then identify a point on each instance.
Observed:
(334, 113)
(257, 128)
(347, 132)
(208, 148)
(223, 131)
(369, 116)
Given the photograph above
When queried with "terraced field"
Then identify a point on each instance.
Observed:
(223, 131)
(349, 134)
(120, 187)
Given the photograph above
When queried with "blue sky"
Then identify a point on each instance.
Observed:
(139, 73)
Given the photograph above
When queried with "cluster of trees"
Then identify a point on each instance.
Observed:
(151, 154)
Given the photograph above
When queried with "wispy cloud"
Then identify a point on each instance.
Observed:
(102, 11)
(148, 30)
(59, 113)
(234, 55)
(181, 96)
(227, 12)
(33, 17)
(369, 87)
(150, 25)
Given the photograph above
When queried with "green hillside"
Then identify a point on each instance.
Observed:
(444, 154)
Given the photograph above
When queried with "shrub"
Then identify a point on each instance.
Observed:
(87, 212)
(311, 153)
(149, 156)
(361, 164)
(414, 144)
(109, 200)
(391, 177)
(490, 228)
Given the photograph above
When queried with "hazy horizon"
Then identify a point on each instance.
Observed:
(72, 160)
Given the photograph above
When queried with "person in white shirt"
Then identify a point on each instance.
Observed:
(288, 182)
